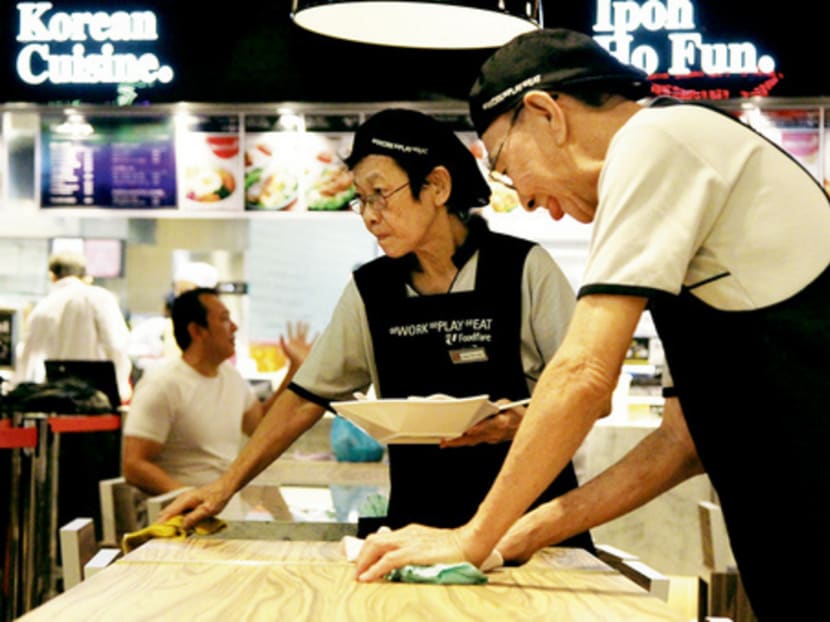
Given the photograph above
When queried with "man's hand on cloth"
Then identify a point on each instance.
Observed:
(417, 554)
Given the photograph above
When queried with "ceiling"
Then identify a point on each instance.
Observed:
(250, 51)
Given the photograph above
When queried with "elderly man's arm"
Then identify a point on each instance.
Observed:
(663, 459)
(573, 391)
(140, 470)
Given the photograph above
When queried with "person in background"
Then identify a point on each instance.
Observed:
(187, 415)
(723, 236)
(152, 339)
(75, 321)
(188, 275)
(506, 298)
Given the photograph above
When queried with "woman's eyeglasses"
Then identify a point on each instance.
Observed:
(377, 201)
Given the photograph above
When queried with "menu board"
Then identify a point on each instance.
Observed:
(107, 161)
(210, 163)
(296, 164)
(213, 161)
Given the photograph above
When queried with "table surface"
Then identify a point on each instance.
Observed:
(213, 579)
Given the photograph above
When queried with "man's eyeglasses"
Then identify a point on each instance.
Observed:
(377, 200)
(495, 174)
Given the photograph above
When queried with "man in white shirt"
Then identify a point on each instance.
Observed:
(76, 321)
(188, 414)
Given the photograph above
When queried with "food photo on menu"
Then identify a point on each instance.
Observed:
(210, 164)
(270, 184)
(292, 165)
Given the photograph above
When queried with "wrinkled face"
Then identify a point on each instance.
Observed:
(218, 336)
(400, 222)
(530, 157)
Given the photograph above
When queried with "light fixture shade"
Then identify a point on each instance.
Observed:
(433, 24)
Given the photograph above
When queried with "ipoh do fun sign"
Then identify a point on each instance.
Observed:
(662, 39)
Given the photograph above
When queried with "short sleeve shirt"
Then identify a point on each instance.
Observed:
(342, 360)
(689, 198)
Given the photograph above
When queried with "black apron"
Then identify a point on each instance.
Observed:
(753, 386)
(461, 344)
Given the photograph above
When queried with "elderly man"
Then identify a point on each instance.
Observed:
(723, 236)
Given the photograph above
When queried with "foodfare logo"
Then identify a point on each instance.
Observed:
(621, 24)
(57, 47)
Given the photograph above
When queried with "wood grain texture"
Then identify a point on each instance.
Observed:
(297, 581)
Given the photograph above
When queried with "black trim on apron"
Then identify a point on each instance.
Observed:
(754, 389)
(461, 344)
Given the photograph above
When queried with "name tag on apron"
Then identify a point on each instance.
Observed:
(468, 355)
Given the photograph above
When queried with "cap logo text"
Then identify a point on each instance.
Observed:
(510, 91)
(387, 144)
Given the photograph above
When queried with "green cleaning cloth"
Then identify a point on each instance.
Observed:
(444, 574)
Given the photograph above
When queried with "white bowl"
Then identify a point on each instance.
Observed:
(416, 419)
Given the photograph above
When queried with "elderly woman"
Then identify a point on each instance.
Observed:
(450, 308)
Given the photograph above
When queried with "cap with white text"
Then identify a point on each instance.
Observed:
(410, 136)
(548, 59)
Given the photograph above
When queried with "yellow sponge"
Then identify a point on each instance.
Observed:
(171, 529)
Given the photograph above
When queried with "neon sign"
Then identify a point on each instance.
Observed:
(57, 47)
(621, 25)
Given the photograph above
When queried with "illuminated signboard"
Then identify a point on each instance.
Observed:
(663, 39)
(87, 47)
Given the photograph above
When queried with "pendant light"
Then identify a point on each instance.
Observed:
(428, 24)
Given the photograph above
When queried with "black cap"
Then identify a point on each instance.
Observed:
(413, 137)
(547, 59)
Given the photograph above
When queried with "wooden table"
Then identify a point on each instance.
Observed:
(213, 579)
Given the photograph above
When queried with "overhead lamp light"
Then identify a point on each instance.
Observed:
(429, 24)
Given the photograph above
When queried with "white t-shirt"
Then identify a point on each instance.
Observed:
(688, 197)
(198, 419)
(342, 359)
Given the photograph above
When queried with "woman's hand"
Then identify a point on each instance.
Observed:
(499, 428)
(197, 504)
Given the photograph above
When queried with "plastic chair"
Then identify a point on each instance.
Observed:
(80, 554)
(123, 509)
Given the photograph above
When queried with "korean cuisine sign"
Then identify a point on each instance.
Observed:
(87, 47)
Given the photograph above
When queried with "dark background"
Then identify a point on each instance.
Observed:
(250, 51)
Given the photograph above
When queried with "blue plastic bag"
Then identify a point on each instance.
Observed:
(351, 444)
